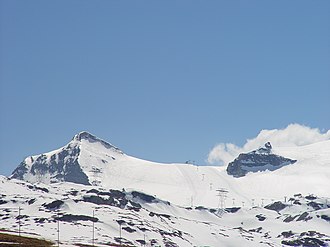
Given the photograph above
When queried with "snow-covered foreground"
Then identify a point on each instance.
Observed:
(147, 220)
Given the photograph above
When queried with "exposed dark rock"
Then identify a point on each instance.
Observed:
(305, 242)
(20, 171)
(141, 242)
(53, 205)
(311, 197)
(117, 193)
(41, 189)
(260, 217)
(62, 166)
(152, 214)
(169, 243)
(296, 202)
(135, 206)
(115, 198)
(232, 210)
(34, 187)
(99, 200)
(287, 234)
(142, 196)
(31, 201)
(259, 229)
(291, 200)
(304, 216)
(2, 202)
(212, 210)
(316, 206)
(73, 192)
(111, 193)
(123, 242)
(174, 233)
(153, 242)
(313, 234)
(164, 215)
(72, 218)
(258, 160)
(120, 222)
(128, 229)
(93, 191)
(276, 206)
(40, 220)
(290, 218)
(142, 229)
(325, 217)
(22, 216)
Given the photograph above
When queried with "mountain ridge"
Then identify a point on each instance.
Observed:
(84, 135)
(102, 165)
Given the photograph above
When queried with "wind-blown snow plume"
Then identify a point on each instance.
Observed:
(292, 135)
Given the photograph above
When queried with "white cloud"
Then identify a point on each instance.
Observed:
(292, 135)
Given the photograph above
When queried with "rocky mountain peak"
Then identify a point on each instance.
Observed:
(266, 149)
(66, 164)
(258, 160)
(268, 145)
(84, 135)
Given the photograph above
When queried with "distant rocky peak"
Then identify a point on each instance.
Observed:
(84, 135)
(268, 145)
(258, 160)
(266, 149)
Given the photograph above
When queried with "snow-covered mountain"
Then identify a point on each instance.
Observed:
(71, 163)
(169, 204)
(258, 160)
(89, 160)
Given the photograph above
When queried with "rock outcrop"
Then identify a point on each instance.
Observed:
(258, 160)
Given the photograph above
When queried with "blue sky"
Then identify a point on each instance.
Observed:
(162, 80)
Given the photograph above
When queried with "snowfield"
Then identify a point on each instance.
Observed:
(167, 204)
(147, 220)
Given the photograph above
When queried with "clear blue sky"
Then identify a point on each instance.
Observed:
(162, 80)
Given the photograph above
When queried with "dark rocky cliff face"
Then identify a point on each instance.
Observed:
(62, 166)
(258, 160)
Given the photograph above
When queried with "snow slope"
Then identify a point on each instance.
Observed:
(185, 184)
(153, 222)
(166, 204)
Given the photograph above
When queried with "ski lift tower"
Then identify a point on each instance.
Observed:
(222, 193)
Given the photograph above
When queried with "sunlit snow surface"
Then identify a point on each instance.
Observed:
(184, 186)
(183, 183)
(156, 221)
